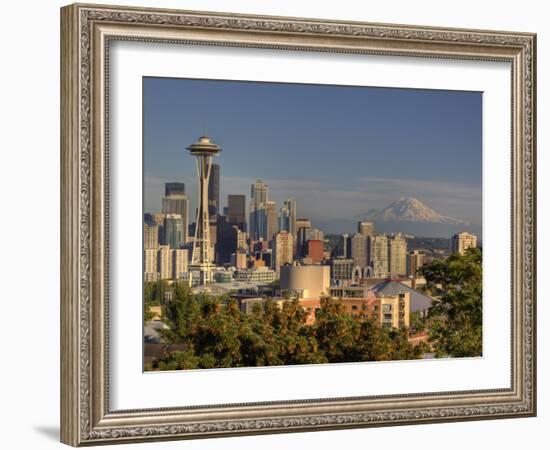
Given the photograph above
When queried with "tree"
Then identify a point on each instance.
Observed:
(153, 295)
(455, 322)
(213, 332)
(337, 332)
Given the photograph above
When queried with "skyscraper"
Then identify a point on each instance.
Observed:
(415, 260)
(236, 210)
(178, 204)
(315, 250)
(315, 235)
(258, 211)
(214, 190)
(201, 260)
(179, 262)
(302, 228)
(272, 225)
(462, 241)
(287, 219)
(379, 255)
(258, 192)
(359, 249)
(150, 264)
(365, 228)
(346, 246)
(150, 236)
(174, 188)
(229, 240)
(165, 259)
(282, 250)
(173, 231)
(398, 256)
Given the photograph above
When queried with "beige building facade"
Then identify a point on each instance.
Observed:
(462, 241)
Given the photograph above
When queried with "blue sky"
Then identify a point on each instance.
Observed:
(338, 150)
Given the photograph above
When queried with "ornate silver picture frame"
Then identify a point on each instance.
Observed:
(87, 32)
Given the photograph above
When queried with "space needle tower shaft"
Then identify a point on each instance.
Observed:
(201, 260)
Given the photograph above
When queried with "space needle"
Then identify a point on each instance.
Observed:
(201, 260)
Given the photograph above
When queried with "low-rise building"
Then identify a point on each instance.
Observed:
(305, 281)
(256, 275)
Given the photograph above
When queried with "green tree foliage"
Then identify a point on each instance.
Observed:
(455, 322)
(215, 333)
(153, 295)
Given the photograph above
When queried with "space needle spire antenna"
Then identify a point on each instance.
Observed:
(201, 268)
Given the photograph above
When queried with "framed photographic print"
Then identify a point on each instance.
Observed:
(275, 224)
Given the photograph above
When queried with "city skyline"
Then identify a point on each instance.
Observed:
(243, 162)
(273, 250)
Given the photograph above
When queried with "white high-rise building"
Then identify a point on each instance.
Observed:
(398, 256)
(379, 255)
(462, 241)
(282, 250)
(365, 228)
(150, 236)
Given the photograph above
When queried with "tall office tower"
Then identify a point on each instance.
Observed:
(365, 228)
(150, 236)
(178, 204)
(346, 246)
(173, 231)
(214, 190)
(302, 228)
(227, 240)
(282, 250)
(258, 211)
(462, 241)
(164, 259)
(158, 218)
(287, 219)
(315, 235)
(379, 255)
(272, 226)
(150, 264)
(180, 258)
(284, 219)
(359, 252)
(149, 219)
(241, 239)
(415, 260)
(201, 260)
(315, 249)
(174, 188)
(236, 210)
(398, 256)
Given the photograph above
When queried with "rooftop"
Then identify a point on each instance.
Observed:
(418, 300)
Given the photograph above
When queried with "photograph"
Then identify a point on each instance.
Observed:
(290, 224)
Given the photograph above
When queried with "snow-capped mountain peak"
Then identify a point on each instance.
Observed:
(409, 209)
